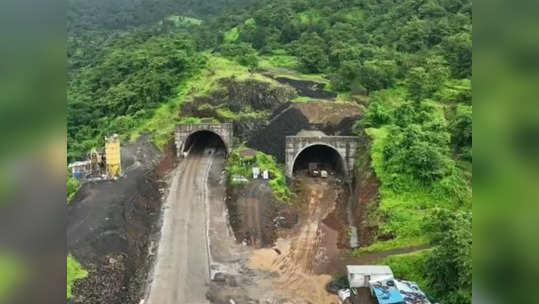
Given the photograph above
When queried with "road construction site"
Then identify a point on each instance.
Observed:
(172, 229)
(199, 257)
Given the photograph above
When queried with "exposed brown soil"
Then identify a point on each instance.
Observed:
(337, 219)
(301, 257)
(328, 114)
(168, 161)
(111, 224)
(255, 215)
(366, 198)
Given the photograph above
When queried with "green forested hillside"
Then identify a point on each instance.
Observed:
(85, 15)
(407, 61)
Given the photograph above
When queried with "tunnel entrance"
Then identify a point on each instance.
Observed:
(198, 141)
(322, 156)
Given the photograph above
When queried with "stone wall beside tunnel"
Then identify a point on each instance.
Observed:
(345, 146)
(223, 130)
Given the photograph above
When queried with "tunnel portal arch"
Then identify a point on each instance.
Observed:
(340, 164)
(186, 132)
(346, 147)
(205, 135)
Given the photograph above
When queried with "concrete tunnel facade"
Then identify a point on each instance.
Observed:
(345, 146)
(184, 132)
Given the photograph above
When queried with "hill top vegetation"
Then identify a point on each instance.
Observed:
(133, 64)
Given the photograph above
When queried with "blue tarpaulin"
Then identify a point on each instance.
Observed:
(387, 294)
(391, 291)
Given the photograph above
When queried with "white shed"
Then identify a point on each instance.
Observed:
(360, 275)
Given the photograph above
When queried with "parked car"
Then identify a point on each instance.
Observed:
(344, 294)
(337, 284)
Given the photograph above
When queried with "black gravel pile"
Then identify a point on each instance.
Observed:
(110, 227)
(272, 139)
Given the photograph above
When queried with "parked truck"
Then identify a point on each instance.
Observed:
(313, 170)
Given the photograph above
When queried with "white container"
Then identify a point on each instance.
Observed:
(360, 275)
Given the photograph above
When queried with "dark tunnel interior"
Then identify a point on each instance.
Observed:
(326, 158)
(200, 140)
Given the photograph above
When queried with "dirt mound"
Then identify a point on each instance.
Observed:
(255, 215)
(110, 225)
(330, 115)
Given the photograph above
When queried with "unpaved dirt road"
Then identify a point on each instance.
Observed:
(181, 271)
(304, 251)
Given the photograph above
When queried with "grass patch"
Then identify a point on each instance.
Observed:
(232, 35)
(238, 165)
(72, 187)
(302, 99)
(74, 272)
(278, 184)
(391, 244)
(227, 114)
(218, 68)
(283, 61)
(410, 267)
(12, 274)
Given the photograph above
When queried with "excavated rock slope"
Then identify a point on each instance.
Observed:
(331, 118)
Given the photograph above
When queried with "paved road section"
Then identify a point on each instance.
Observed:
(181, 271)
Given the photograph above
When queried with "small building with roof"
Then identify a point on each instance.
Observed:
(360, 275)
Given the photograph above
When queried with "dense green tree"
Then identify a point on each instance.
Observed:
(413, 35)
(343, 51)
(311, 53)
(411, 150)
(461, 131)
(135, 74)
(418, 143)
(242, 52)
(424, 81)
(458, 52)
(253, 33)
(377, 74)
(415, 82)
(347, 73)
(450, 264)
(377, 115)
